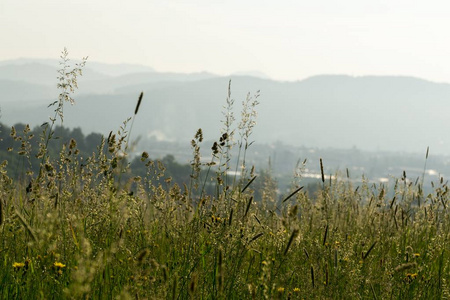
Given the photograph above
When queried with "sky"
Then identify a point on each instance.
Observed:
(284, 39)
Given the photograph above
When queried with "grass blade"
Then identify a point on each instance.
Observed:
(291, 239)
(321, 171)
(248, 206)
(370, 249)
(292, 194)
(248, 184)
(325, 236)
(26, 225)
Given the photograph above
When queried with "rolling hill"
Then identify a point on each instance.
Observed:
(371, 112)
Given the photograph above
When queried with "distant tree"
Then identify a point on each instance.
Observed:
(92, 141)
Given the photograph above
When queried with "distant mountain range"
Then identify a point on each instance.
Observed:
(371, 112)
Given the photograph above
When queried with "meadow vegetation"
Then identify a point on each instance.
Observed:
(84, 226)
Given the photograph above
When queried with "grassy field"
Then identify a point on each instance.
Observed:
(86, 228)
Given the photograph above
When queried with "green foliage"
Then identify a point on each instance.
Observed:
(85, 226)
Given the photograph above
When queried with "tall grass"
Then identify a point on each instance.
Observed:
(76, 233)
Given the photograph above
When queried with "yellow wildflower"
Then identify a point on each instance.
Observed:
(18, 265)
(410, 277)
(416, 254)
(296, 290)
(59, 265)
(280, 290)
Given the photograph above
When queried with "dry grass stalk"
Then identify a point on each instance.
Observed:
(292, 194)
(138, 103)
(256, 237)
(249, 203)
(291, 239)
(370, 249)
(248, 184)
(231, 218)
(1, 212)
(325, 236)
(26, 225)
(220, 267)
(406, 266)
(306, 253)
(321, 171)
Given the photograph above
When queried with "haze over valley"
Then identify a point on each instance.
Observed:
(372, 113)
(382, 118)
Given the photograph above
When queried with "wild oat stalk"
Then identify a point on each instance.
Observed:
(196, 162)
(67, 84)
(246, 125)
(423, 175)
(125, 151)
(222, 150)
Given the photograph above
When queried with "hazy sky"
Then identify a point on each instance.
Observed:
(287, 40)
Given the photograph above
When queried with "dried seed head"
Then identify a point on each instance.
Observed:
(138, 103)
(142, 255)
(13, 132)
(144, 156)
(199, 135)
(215, 148)
(321, 171)
(72, 144)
